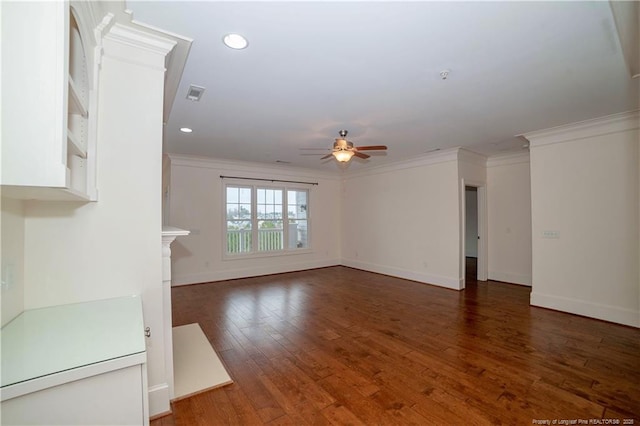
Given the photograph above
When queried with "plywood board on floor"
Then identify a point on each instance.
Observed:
(196, 366)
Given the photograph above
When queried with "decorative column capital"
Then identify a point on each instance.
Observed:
(169, 234)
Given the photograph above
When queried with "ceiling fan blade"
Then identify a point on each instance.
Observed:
(371, 148)
(327, 156)
(361, 155)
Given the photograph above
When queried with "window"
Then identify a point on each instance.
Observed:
(239, 220)
(297, 216)
(266, 219)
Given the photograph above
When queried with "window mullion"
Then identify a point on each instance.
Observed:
(254, 220)
(285, 220)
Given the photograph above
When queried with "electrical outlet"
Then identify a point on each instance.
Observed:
(551, 234)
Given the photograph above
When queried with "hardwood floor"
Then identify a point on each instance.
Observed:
(343, 346)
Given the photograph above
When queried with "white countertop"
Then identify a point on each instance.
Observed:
(49, 341)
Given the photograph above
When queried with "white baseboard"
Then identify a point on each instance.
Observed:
(448, 282)
(510, 278)
(159, 400)
(588, 309)
(231, 274)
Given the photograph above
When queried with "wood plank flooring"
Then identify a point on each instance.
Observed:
(347, 347)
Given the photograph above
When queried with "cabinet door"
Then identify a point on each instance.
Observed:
(114, 398)
(34, 98)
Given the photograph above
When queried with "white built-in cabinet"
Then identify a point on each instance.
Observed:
(76, 364)
(49, 83)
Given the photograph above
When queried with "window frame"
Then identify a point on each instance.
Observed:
(255, 253)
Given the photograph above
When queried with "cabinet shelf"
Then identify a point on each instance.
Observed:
(74, 146)
(55, 159)
(44, 193)
(77, 104)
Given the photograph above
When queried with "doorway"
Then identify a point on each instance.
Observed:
(473, 230)
(471, 233)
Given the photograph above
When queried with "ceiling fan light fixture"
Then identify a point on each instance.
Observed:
(343, 156)
(235, 41)
(342, 144)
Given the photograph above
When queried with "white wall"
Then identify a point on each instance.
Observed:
(78, 252)
(585, 188)
(166, 183)
(509, 211)
(471, 222)
(197, 204)
(12, 264)
(403, 220)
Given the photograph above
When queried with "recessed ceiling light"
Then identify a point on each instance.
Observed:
(235, 41)
(186, 130)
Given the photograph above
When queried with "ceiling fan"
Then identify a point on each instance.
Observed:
(343, 149)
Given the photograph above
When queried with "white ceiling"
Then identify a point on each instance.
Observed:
(313, 68)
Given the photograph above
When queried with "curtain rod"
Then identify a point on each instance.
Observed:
(267, 180)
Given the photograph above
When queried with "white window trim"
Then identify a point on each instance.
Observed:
(254, 229)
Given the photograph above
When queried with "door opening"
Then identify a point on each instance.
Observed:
(471, 233)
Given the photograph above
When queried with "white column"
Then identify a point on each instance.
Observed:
(132, 80)
(169, 234)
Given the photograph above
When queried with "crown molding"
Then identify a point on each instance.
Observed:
(175, 61)
(173, 48)
(508, 159)
(248, 168)
(443, 156)
(140, 39)
(468, 156)
(626, 16)
(595, 127)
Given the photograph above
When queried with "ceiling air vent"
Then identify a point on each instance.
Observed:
(195, 93)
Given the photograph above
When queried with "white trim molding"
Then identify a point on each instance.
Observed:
(588, 309)
(508, 159)
(626, 15)
(151, 39)
(249, 169)
(159, 400)
(615, 123)
(437, 280)
(137, 47)
(174, 63)
(238, 166)
(140, 39)
(470, 157)
(435, 157)
(231, 274)
(510, 278)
